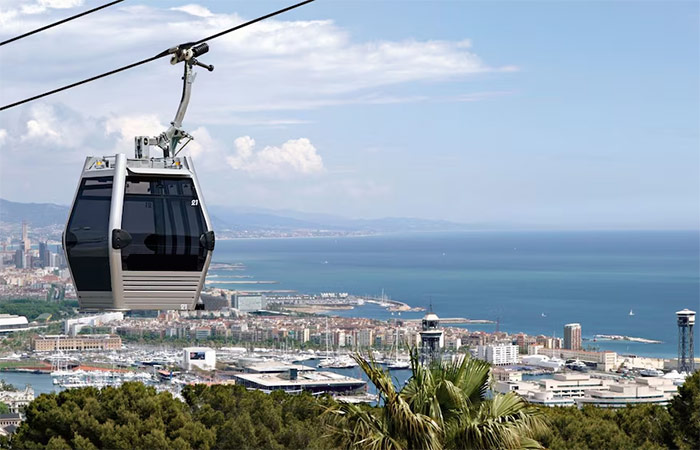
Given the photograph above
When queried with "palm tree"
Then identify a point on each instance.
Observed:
(442, 406)
(395, 426)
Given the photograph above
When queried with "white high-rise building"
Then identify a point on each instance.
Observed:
(501, 354)
(249, 302)
(365, 337)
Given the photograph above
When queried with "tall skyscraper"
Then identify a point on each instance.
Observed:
(20, 258)
(572, 336)
(25, 237)
(44, 254)
(686, 352)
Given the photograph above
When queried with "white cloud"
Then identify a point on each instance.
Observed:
(238, 173)
(296, 156)
(128, 127)
(42, 125)
(60, 4)
(276, 64)
(194, 10)
(264, 74)
(13, 9)
(45, 127)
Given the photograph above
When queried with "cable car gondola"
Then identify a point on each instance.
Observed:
(138, 236)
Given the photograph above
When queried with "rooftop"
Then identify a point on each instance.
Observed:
(276, 367)
(306, 379)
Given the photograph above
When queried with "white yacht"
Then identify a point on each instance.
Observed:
(650, 372)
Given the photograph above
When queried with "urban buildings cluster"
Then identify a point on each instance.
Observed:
(26, 256)
(33, 271)
(343, 334)
(577, 389)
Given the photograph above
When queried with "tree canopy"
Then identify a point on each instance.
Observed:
(447, 404)
(33, 308)
(685, 412)
(134, 416)
(131, 416)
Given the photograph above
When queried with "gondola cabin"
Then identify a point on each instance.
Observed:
(138, 236)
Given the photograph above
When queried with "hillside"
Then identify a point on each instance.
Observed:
(37, 215)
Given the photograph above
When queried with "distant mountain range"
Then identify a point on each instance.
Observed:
(245, 218)
(37, 215)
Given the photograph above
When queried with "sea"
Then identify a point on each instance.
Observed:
(533, 282)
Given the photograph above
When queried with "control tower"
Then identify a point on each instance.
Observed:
(686, 351)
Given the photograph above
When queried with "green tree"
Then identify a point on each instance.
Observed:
(642, 426)
(685, 411)
(131, 416)
(4, 386)
(32, 308)
(245, 419)
(441, 406)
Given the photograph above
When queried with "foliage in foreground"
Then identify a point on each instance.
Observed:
(131, 416)
(442, 406)
(685, 413)
(633, 427)
(245, 419)
(135, 416)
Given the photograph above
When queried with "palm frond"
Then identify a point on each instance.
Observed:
(440, 406)
(472, 377)
(506, 421)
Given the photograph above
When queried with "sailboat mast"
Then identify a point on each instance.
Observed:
(327, 351)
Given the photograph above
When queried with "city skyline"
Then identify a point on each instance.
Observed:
(334, 109)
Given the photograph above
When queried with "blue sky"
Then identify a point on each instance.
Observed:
(536, 114)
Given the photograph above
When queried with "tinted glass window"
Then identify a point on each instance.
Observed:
(165, 221)
(87, 243)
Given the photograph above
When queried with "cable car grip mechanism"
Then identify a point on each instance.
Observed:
(169, 139)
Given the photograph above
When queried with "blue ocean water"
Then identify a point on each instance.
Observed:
(42, 383)
(533, 282)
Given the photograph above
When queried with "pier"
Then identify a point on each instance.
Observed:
(460, 320)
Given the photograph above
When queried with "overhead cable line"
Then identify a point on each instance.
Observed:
(68, 19)
(153, 58)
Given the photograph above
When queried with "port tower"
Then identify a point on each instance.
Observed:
(431, 336)
(686, 350)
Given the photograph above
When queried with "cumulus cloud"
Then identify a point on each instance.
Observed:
(42, 125)
(48, 127)
(237, 173)
(296, 156)
(194, 10)
(128, 127)
(15, 8)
